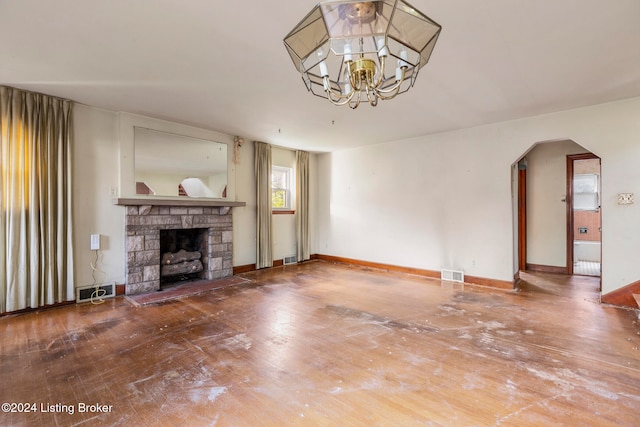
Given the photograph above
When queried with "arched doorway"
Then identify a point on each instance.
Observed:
(545, 219)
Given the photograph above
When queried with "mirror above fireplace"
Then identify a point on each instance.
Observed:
(168, 164)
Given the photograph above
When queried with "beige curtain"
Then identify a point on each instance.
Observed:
(302, 208)
(264, 256)
(36, 252)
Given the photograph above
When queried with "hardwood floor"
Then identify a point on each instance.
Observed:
(318, 344)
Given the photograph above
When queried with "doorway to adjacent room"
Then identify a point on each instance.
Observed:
(584, 217)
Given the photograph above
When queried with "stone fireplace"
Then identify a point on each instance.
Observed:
(144, 223)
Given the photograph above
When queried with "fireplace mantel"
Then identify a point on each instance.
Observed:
(177, 201)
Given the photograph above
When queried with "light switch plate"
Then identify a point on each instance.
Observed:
(625, 198)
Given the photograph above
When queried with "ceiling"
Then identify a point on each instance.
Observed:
(223, 66)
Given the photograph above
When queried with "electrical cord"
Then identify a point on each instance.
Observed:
(99, 292)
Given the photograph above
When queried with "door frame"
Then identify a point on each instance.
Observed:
(522, 214)
(569, 202)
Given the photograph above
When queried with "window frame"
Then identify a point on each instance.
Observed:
(288, 208)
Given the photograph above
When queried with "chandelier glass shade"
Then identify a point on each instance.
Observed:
(349, 51)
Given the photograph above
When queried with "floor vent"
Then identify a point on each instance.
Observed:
(96, 292)
(291, 259)
(452, 275)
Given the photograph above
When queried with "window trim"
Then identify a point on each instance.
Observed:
(289, 191)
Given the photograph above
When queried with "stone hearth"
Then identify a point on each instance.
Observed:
(143, 225)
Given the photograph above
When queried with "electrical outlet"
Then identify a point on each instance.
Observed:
(95, 242)
(625, 198)
(113, 191)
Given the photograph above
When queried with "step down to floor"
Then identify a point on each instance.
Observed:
(637, 298)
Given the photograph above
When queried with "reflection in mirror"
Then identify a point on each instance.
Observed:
(167, 164)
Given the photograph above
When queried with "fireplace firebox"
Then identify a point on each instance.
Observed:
(183, 255)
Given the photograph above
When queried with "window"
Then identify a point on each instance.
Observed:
(585, 192)
(281, 188)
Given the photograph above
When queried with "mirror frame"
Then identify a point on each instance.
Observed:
(125, 187)
(178, 165)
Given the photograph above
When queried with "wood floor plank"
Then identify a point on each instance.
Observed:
(318, 344)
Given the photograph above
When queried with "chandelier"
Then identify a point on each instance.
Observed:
(349, 51)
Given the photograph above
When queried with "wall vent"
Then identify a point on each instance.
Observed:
(452, 275)
(97, 292)
(291, 259)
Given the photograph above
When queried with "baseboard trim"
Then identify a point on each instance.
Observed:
(623, 296)
(551, 269)
(379, 266)
(32, 309)
(243, 269)
(121, 289)
(252, 267)
(490, 283)
(432, 274)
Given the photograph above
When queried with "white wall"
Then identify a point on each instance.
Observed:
(244, 218)
(95, 175)
(424, 203)
(546, 209)
(446, 200)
